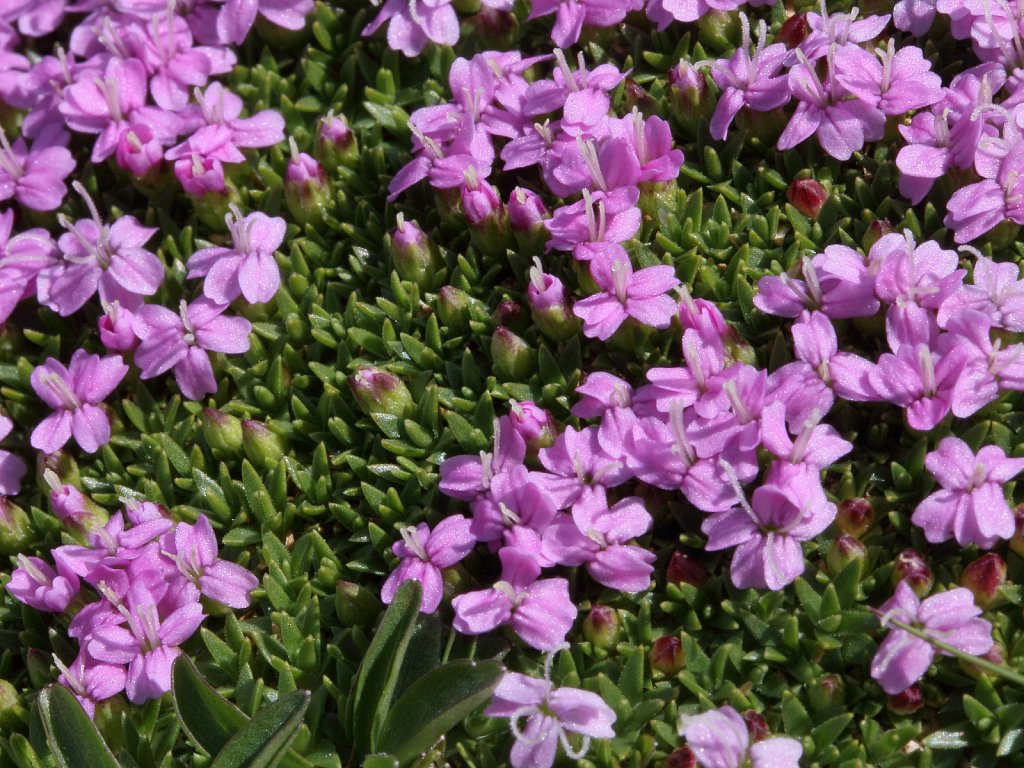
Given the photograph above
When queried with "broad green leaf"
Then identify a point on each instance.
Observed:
(263, 741)
(435, 704)
(424, 652)
(72, 737)
(209, 719)
(378, 673)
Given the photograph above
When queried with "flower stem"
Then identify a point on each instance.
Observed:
(996, 669)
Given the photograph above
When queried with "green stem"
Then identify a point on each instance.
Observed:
(996, 669)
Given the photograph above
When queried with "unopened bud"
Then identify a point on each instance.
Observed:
(757, 726)
(984, 577)
(16, 532)
(61, 463)
(513, 358)
(222, 432)
(844, 550)
(456, 308)
(681, 757)
(139, 152)
(878, 229)
(380, 392)
(355, 605)
(495, 29)
(12, 711)
(827, 692)
(601, 627)
(793, 30)
(637, 97)
(911, 568)
(263, 446)
(116, 332)
(855, 516)
(907, 702)
(414, 255)
(683, 569)
(534, 424)
(335, 142)
(487, 218)
(78, 512)
(719, 30)
(509, 313)
(1017, 540)
(550, 306)
(688, 96)
(526, 214)
(808, 196)
(993, 656)
(306, 189)
(667, 655)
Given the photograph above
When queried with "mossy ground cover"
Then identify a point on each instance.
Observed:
(311, 498)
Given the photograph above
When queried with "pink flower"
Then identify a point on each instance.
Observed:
(415, 22)
(971, 506)
(425, 554)
(571, 15)
(181, 341)
(248, 269)
(75, 394)
(12, 468)
(720, 739)
(34, 177)
(35, 583)
(236, 17)
(195, 552)
(951, 617)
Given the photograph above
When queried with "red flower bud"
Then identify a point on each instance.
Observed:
(681, 757)
(807, 196)
(601, 627)
(757, 726)
(683, 569)
(667, 655)
(844, 550)
(906, 703)
(984, 577)
(911, 567)
(855, 517)
(793, 31)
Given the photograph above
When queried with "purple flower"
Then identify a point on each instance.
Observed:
(248, 269)
(971, 506)
(75, 393)
(977, 208)
(236, 17)
(415, 22)
(816, 445)
(571, 15)
(579, 467)
(720, 739)
(836, 282)
(217, 106)
(917, 379)
(425, 554)
(12, 468)
(640, 295)
(34, 177)
(35, 583)
(950, 617)
(104, 257)
(997, 292)
(789, 508)
(181, 341)
(90, 680)
(596, 219)
(195, 552)
(551, 713)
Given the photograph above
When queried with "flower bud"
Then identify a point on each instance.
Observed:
(984, 577)
(263, 447)
(844, 550)
(550, 306)
(355, 605)
(495, 29)
(688, 96)
(380, 392)
(907, 702)
(335, 142)
(855, 516)
(826, 692)
(456, 308)
(601, 627)
(222, 432)
(526, 215)
(993, 656)
(808, 196)
(212, 193)
(757, 726)
(911, 568)
(878, 229)
(486, 215)
(75, 510)
(637, 97)
(16, 533)
(681, 757)
(701, 315)
(12, 711)
(1017, 540)
(306, 189)
(667, 655)
(534, 424)
(793, 30)
(138, 151)
(513, 358)
(683, 569)
(116, 328)
(509, 313)
(719, 30)
(413, 254)
(61, 463)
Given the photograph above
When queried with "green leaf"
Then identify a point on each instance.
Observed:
(263, 741)
(209, 719)
(72, 737)
(435, 704)
(378, 673)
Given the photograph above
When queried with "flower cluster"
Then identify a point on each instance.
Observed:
(148, 573)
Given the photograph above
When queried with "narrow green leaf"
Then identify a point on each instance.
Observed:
(435, 704)
(209, 719)
(72, 737)
(263, 741)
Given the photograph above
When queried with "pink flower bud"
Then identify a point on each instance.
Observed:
(526, 211)
(601, 627)
(1017, 541)
(306, 190)
(72, 507)
(456, 308)
(263, 446)
(513, 358)
(844, 550)
(855, 516)
(380, 392)
(984, 577)
(138, 151)
(685, 78)
(907, 702)
(878, 229)
(683, 569)
(16, 532)
(534, 424)
(550, 306)
(808, 196)
(912, 568)
(827, 692)
(415, 257)
(200, 175)
(335, 142)
(667, 655)
(116, 329)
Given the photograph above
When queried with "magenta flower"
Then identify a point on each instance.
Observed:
(425, 554)
(720, 739)
(12, 468)
(91, 681)
(977, 208)
(789, 508)
(415, 22)
(950, 617)
(816, 445)
(971, 506)
(34, 177)
(918, 380)
(104, 257)
(248, 269)
(236, 17)
(837, 282)
(35, 583)
(597, 219)
(550, 714)
(195, 552)
(640, 295)
(572, 15)
(997, 292)
(181, 341)
(75, 394)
